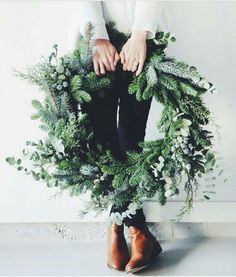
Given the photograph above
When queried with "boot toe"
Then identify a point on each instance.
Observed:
(116, 266)
(136, 265)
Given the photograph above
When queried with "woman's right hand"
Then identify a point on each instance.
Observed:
(105, 56)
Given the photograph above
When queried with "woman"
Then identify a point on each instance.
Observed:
(141, 19)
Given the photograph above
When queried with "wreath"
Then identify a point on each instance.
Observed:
(70, 158)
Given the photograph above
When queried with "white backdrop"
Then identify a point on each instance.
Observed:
(205, 33)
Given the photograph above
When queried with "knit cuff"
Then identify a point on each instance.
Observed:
(150, 27)
(100, 32)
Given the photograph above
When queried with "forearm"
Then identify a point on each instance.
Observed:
(147, 17)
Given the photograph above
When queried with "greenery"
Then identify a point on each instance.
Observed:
(71, 159)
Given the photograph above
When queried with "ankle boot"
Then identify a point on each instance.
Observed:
(144, 248)
(117, 249)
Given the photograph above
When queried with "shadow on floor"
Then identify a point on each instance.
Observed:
(173, 253)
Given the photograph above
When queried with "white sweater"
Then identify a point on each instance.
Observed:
(128, 14)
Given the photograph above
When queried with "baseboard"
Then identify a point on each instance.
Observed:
(97, 231)
(203, 211)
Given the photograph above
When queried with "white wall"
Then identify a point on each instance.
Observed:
(205, 34)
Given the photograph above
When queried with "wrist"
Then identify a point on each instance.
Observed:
(99, 41)
(138, 34)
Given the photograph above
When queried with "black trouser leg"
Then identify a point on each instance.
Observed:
(102, 113)
(133, 115)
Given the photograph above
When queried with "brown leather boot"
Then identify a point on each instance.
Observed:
(144, 248)
(117, 249)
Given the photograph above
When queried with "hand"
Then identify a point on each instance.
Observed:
(134, 51)
(105, 56)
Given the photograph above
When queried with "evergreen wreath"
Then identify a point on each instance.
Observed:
(69, 156)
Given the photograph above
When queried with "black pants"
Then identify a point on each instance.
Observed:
(132, 119)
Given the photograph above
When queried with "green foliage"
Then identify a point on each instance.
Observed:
(168, 82)
(92, 83)
(71, 158)
(188, 89)
(151, 75)
(164, 38)
(82, 96)
(85, 51)
(76, 83)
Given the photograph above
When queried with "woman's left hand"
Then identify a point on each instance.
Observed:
(133, 53)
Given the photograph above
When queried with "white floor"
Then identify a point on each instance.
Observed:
(215, 256)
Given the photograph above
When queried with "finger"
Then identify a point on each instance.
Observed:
(125, 66)
(125, 62)
(106, 63)
(96, 67)
(102, 68)
(117, 57)
(130, 64)
(122, 57)
(140, 67)
(134, 66)
(111, 62)
(129, 59)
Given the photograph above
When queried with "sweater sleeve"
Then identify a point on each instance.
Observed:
(147, 16)
(82, 12)
(91, 11)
